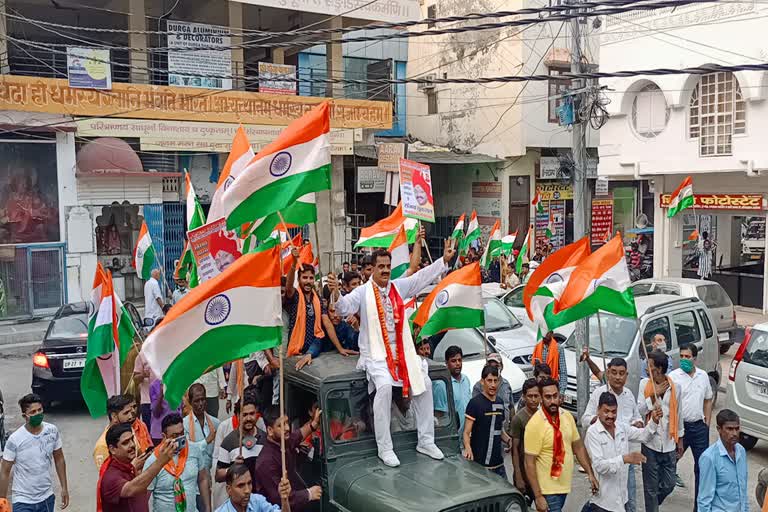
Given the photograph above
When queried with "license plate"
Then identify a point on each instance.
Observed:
(72, 364)
(723, 336)
(568, 399)
(762, 390)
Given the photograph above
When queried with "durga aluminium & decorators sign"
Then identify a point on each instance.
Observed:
(55, 96)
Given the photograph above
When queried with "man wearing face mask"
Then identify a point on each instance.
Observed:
(182, 478)
(696, 397)
(658, 342)
(29, 453)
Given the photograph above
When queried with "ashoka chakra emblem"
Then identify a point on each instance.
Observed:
(228, 182)
(139, 253)
(442, 298)
(217, 310)
(281, 164)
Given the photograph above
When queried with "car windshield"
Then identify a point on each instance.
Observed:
(69, 327)
(618, 335)
(498, 317)
(468, 340)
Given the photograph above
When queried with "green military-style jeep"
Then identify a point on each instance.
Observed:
(343, 459)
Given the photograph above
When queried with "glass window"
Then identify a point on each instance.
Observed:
(708, 332)
(498, 317)
(654, 327)
(650, 113)
(29, 194)
(714, 296)
(468, 340)
(556, 88)
(349, 413)
(514, 299)
(641, 289)
(618, 335)
(666, 289)
(686, 328)
(757, 351)
(75, 326)
(717, 111)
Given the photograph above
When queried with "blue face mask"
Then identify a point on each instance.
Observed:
(686, 365)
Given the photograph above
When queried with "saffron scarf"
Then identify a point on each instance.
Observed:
(648, 392)
(298, 335)
(141, 435)
(127, 468)
(553, 356)
(397, 366)
(558, 447)
(176, 470)
(192, 428)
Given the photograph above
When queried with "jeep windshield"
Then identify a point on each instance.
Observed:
(618, 335)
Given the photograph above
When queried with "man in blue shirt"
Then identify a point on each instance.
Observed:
(462, 389)
(723, 469)
(240, 491)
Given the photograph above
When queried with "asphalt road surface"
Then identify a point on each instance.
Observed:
(80, 431)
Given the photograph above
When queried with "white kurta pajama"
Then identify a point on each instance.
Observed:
(373, 354)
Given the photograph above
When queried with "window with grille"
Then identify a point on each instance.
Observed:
(717, 111)
(556, 88)
(650, 113)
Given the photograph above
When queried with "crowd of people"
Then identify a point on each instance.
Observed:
(187, 459)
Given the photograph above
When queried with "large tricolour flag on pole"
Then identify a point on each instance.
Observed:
(493, 247)
(458, 229)
(600, 283)
(297, 163)
(455, 303)
(473, 233)
(239, 157)
(300, 213)
(144, 253)
(507, 242)
(195, 219)
(525, 250)
(110, 338)
(548, 282)
(401, 258)
(682, 198)
(382, 233)
(217, 322)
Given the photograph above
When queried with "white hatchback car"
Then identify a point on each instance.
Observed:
(748, 385)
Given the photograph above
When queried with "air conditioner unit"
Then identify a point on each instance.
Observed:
(426, 86)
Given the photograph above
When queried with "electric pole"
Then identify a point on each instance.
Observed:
(581, 201)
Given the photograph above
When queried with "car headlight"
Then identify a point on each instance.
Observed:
(514, 506)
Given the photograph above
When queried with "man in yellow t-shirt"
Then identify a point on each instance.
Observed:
(551, 440)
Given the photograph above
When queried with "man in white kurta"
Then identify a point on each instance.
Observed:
(373, 358)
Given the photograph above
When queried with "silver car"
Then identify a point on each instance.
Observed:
(710, 293)
(748, 385)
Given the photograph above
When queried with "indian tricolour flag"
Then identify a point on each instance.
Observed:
(493, 247)
(507, 242)
(525, 251)
(548, 282)
(217, 322)
(110, 338)
(682, 198)
(195, 219)
(297, 163)
(401, 258)
(455, 303)
(382, 233)
(240, 155)
(300, 213)
(473, 233)
(144, 253)
(458, 229)
(599, 283)
(537, 203)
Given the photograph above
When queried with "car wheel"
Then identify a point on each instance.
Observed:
(747, 441)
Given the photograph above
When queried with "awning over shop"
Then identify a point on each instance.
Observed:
(430, 154)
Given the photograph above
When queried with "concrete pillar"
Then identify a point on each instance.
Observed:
(331, 211)
(238, 54)
(137, 21)
(278, 55)
(5, 68)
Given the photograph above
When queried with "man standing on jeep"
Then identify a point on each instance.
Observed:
(387, 352)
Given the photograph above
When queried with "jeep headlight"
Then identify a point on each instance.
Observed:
(514, 506)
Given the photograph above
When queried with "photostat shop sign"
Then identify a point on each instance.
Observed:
(137, 101)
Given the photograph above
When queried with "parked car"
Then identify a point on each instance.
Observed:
(59, 361)
(748, 385)
(513, 299)
(348, 469)
(710, 292)
(680, 320)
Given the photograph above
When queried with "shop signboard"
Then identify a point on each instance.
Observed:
(549, 167)
(272, 78)
(389, 155)
(213, 248)
(554, 210)
(722, 201)
(89, 68)
(602, 221)
(370, 179)
(486, 201)
(555, 191)
(416, 190)
(138, 101)
(386, 10)
(601, 186)
(194, 59)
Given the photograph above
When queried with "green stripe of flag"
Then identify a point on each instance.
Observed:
(299, 213)
(148, 262)
(452, 318)
(399, 270)
(603, 299)
(686, 202)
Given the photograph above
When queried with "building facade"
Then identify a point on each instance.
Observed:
(709, 127)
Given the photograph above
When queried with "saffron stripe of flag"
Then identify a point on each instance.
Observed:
(537, 203)
(240, 155)
(384, 231)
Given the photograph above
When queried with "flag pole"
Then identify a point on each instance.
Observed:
(648, 362)
(424, 244)
(285, 504)
(602, 343)
(240, 392)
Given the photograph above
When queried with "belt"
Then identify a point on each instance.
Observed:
(693, 422)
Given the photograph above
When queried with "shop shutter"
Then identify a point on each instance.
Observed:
(174, 228)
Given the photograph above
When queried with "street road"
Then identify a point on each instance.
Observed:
(80, 431)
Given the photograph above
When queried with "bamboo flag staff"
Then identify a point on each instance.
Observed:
(285, 504)
(240, 369)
